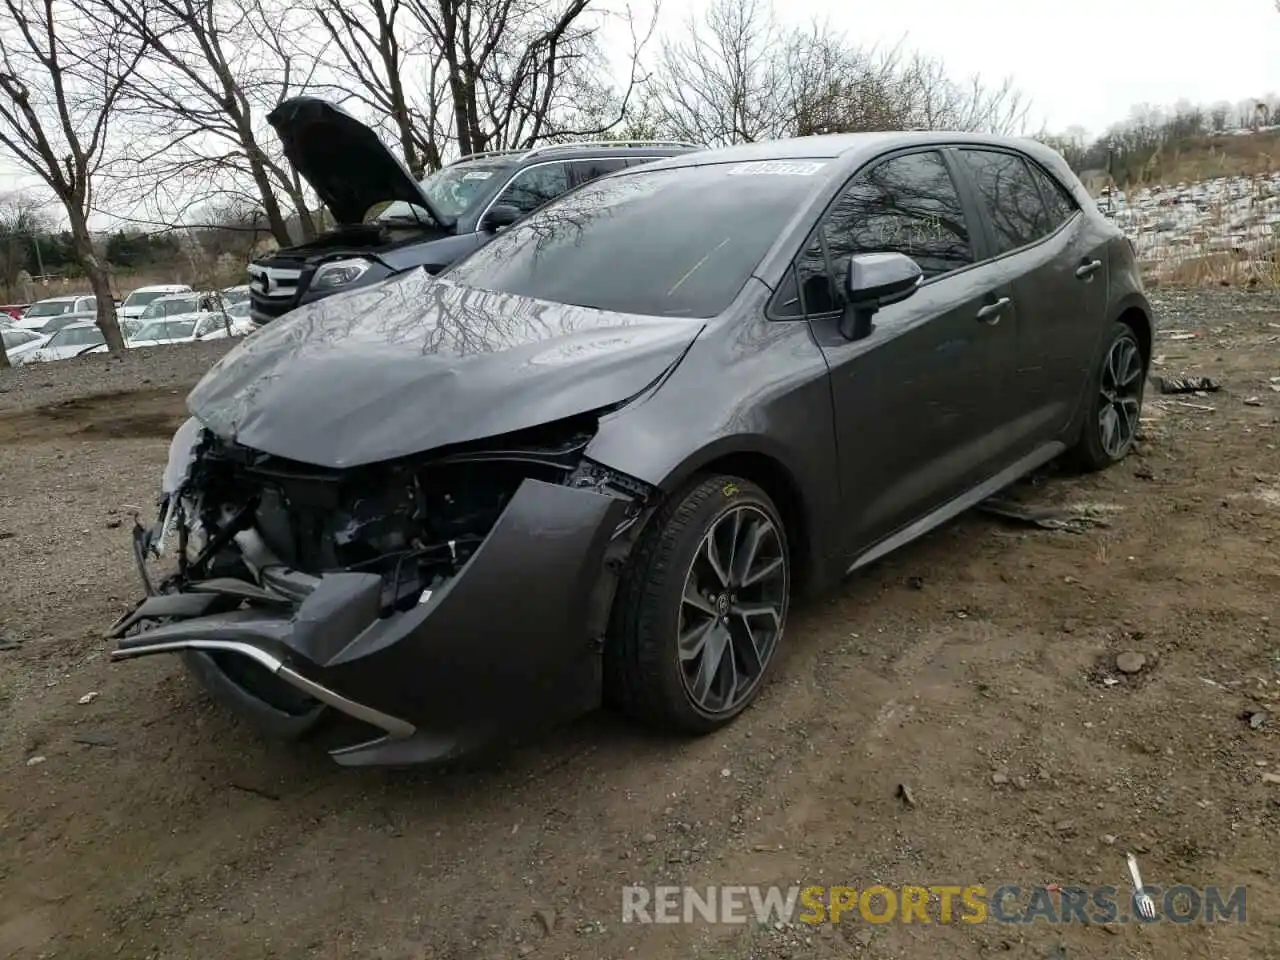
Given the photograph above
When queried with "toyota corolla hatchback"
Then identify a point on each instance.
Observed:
(597, 458)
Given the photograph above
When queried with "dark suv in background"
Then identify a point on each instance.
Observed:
(388, 223)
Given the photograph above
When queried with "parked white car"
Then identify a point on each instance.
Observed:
(238, 294)
(138, 300)
(71, 341)
(39, 313)
(20, 344)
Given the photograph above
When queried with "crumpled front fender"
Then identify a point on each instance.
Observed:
(511, 642)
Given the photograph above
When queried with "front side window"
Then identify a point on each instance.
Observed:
(678, 242)
(906, 204)
(1009, 197)
(535, 186)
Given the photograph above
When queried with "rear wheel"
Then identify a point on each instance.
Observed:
(1115, 402)
(701, 610)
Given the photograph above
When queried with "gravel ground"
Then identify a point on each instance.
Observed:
(177, 366)
(980, 668)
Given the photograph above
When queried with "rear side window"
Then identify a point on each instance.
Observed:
(1009, 196)
(1058, 203)
(906, 204)
(587, 170)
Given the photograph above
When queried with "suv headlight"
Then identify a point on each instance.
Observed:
(339, 274)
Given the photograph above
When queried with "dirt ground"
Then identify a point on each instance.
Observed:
(976, 667)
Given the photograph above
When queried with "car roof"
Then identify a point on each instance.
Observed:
(584, 150)
(174, 287)
(64, 298)
(178, 295)
(847, 146)
(78, 325)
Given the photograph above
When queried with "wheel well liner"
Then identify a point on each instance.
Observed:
(1136, 319)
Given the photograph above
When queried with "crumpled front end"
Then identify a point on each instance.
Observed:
(435, 603)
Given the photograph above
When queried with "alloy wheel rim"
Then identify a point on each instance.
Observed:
(1120, 397)
(733, 609)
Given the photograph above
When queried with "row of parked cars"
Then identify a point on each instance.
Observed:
(59, 328)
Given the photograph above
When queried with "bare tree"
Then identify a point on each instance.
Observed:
(740, 75)
(378, 47)
(213, 70)
(59, 88)
(518, 72)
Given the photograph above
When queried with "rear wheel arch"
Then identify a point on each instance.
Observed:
(1139, 321)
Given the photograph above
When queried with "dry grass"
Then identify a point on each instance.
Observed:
(1203, 158)
(201, 276)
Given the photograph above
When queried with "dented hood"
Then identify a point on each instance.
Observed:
(417, 363)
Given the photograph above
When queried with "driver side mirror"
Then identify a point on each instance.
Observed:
(500, 215)
(875, 280)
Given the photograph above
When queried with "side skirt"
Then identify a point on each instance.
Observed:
(953, 508)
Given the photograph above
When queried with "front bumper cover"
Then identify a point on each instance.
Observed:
(511, 642)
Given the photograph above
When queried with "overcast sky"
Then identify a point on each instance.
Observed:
(1080, 64)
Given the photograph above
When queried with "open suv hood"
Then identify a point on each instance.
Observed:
(345, 162)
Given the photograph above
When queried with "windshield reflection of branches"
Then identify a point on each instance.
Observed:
(563, 223)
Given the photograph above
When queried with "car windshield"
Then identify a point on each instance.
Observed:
(76, 337)
(238, 309)
(171, 308)
(49, 308)
(236, 295)
(16, 338)
(140, 298)
(679, 242)
(165, 330)
(454, 190)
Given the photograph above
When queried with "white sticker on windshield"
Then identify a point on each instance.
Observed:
(478, 175)
(785, 168)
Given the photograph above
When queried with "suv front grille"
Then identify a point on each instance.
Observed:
(272, 290)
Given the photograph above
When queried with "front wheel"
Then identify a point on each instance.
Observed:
(1114, 402)
(701, 609)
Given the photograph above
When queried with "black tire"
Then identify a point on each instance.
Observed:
(642, 667)
(1090, 452)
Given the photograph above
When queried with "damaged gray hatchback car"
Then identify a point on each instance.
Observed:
(597, 458)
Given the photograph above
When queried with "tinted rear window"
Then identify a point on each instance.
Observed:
(677, 242)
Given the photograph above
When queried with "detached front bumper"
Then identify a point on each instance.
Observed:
(512, 641)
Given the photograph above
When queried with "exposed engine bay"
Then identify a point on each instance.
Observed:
(413, 522)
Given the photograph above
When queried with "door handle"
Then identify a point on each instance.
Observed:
(1087, 270)
(991, 312)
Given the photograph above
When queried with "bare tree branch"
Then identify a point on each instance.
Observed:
(214, 69)
(63, 66)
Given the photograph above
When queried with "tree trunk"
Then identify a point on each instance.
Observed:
(4, 356)
(96, 272)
